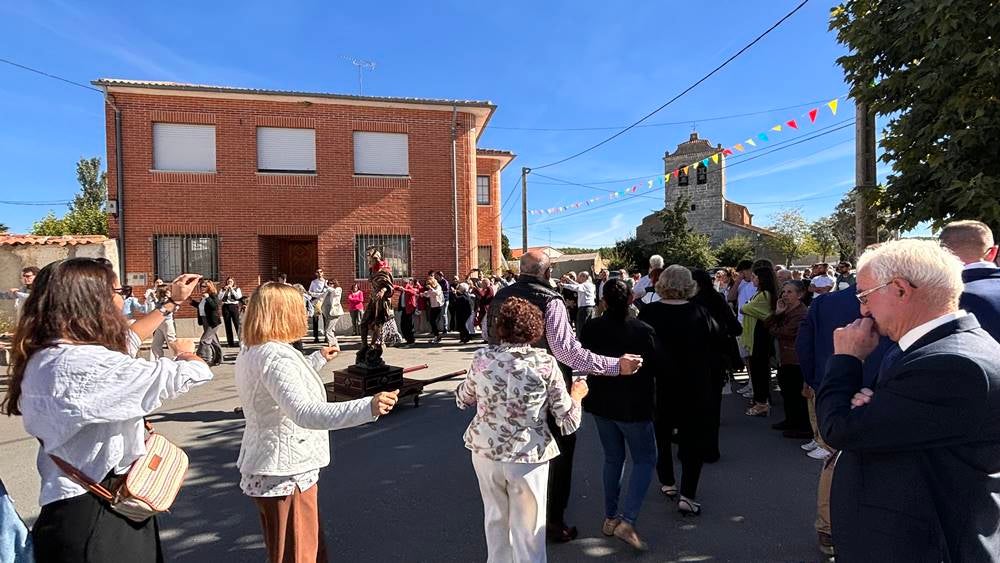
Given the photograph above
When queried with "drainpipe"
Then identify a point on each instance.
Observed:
(454, 179)
(119, 184)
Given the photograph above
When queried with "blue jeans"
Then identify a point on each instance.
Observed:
(641, 441)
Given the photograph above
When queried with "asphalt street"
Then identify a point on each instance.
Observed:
(403, 488)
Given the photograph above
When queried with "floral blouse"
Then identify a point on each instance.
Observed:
(513, 388)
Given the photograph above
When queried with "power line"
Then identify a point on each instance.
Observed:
(663, 124)
(714, 170)
(53, 76)
(685, 91)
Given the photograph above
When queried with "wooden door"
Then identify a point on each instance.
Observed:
(299, 259)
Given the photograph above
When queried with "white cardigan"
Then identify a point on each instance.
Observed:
(287, 415)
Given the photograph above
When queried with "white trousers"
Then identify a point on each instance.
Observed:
(514, 507)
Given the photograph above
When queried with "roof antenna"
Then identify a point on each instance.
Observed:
(362, 65)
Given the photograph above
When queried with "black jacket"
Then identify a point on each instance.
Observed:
(982, 298)
(919, 473)
(212, 314)
(628, 398)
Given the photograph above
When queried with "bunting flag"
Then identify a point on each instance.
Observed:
(715, 158)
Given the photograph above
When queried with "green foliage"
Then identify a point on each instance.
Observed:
(844, 227)
(86, 215)
(933, 66)
(505, 247)
(792, 238)
(821, 231)
(3, 228)
(627, 254)
(734, 249)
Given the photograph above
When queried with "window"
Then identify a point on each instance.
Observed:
(381, 154)
(286, 151)
(682, 178)
(395, 251)
(702, 172)
(485, 258)
(483, 190)
(184, 148)
(186, 254)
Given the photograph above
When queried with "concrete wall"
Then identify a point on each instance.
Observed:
(13, 258)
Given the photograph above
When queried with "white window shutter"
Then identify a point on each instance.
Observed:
(384, 154)
(281, 149)
(184, 147)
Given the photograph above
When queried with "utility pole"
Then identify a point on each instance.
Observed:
(524, 208)
(865, 219)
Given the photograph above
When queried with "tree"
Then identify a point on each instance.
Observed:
(3, 228)
(821, 231)
(931, 65)
(678, 243)
(577, 250)
(734, 249)
(505, 247)
(86, 215)
(792, 230)
(844, 227)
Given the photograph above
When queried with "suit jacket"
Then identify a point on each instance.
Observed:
(982, 298)
(814, 343)
(919, 475)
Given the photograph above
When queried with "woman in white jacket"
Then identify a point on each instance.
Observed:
(288, 419)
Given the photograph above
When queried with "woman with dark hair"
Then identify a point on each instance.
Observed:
(684, 385)
(623, 410)
(513, 386)
(784, 326)
(130, 304)
(356, 305)
(725, 353)
(210, 318)
(757, 339)
(83, 394)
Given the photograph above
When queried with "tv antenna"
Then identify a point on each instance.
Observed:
(362, 65)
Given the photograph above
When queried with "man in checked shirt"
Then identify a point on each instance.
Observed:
(559, 340)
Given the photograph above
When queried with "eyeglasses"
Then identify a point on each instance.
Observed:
(863, 295)
(119, 290)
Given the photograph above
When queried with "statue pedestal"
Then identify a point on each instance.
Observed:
(356, 382)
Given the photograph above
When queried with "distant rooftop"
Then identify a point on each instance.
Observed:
(64, 240)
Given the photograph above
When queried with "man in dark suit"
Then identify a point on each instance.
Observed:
(972, 242)
(919, 468)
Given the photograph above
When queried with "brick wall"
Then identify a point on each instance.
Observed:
(240, 205)
(488, 228)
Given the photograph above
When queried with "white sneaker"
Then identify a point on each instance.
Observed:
(809, 446)
(819, 453)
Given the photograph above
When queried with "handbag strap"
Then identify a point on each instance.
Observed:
(80, 477)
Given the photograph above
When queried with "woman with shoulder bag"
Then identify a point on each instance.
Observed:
(286, 439)
(82, 393)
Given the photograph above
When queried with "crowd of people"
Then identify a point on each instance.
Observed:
(889, 372)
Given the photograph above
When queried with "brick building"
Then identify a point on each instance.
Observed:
(248, 183)
(710, 212)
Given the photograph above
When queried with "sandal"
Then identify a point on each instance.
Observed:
(670, 491)
(758, 409)
(688, 507)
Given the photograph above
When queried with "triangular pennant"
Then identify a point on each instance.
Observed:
(832, 104)
(762, 137)
(704, 162)
(738, 146)
(812, 115)
(776, 128)
(677, 172)
(728, 152)
(715, 158)
(634, 188)
(792, 124)
(685, 169)
(750, 142)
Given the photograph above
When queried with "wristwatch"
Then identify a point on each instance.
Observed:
(163, 308)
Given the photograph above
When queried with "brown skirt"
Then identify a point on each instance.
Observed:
(292, 531)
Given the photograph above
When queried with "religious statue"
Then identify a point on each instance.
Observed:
(377, 310)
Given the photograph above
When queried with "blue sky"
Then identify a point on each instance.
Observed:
(553, 64)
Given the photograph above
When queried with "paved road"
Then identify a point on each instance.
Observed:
(403, 488)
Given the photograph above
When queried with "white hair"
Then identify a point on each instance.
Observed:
(924, 263)
(656, 261)
(463, 287)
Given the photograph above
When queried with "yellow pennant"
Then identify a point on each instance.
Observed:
(776, 128)
(738, 146)
(715, 158)
(685, 170)
(833, 106)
